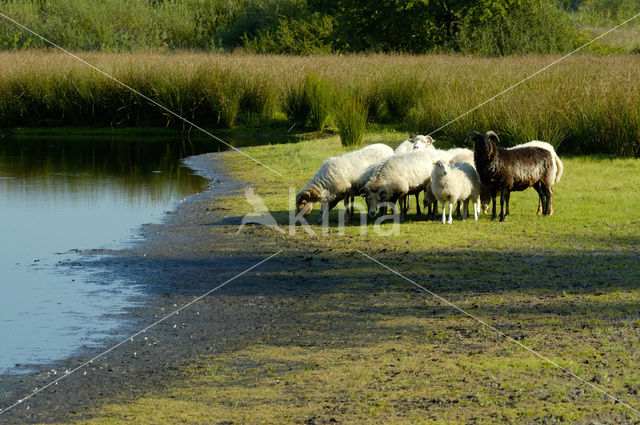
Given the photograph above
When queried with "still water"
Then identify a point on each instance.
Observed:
(65, 193)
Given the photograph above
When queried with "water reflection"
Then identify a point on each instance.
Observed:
(64, 193)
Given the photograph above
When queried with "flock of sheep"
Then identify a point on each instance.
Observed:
(456, 176)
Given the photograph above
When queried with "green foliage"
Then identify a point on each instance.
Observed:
(300, 36)
(351, 120)
(303, 27)
(115, 25)
(516, 27)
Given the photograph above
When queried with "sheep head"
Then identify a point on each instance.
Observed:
(422, 142)
(304, 203)
(374, 197)
(483, 144)
(441, 167)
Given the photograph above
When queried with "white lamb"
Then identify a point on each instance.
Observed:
(455, 183)
(397, 177)
(558, 166)
(335, 179)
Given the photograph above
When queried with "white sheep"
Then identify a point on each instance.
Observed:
(454, 183)
(557, 169)
(413, 143)
(336, 177)
(397, 177)
(422, 142)
(455, 154)
(404, 147)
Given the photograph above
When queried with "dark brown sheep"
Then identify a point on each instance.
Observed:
(505, 171)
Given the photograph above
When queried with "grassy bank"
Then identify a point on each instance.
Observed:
(584, 104)
(373, 349)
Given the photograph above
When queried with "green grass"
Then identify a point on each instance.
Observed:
(584, 104)
(594, 203)
(371, 348)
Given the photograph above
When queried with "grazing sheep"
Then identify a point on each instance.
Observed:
(453, 183)
(397, 177)
(507, 170)
(558, 166)
(416, 143)
(336, 177)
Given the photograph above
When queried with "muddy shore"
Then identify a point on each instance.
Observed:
(194, 249)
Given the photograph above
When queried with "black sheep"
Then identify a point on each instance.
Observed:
(505, 171)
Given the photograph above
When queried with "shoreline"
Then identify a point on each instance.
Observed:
(171, 265)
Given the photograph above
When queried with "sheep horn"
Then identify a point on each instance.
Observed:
(472, 133)
(492, 135)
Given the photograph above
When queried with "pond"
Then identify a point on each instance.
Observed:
(62, 194)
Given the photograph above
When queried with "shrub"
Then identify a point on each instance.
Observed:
(400, 95)
(320, 95)
(351, 120)
(295, 103)
(522, 26)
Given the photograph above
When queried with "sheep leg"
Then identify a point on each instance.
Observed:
(476, 209)
(548, 194)
(540, 197)
(539, 206)
(450, 211)
(507, 202)
(502, 199)
(418, 203)
(346, 207)
(493, 200)
(324, 217)
(444, 213)
(465, 210)
(550, 200)
(352, 201)
(407, 204)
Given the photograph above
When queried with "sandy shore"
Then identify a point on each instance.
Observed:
(193, 250)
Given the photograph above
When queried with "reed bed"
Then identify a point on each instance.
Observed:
(585, 104)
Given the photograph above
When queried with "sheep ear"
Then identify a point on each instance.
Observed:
(493, 136)
(452, 161)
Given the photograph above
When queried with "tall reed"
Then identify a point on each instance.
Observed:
(584, 104)
(351, 120)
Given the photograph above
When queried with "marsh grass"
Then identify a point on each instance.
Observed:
(321, 99)
(585, 104)
(351, 120)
